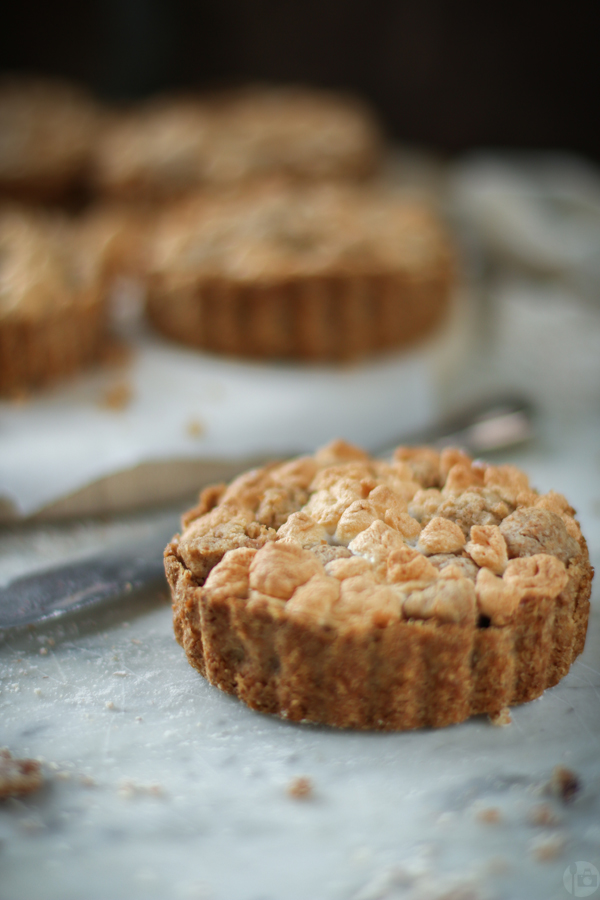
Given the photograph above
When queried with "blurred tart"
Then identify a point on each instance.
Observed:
(340, 589)
(172, 145)
(320, 272)
(47, 129)
(53, 310)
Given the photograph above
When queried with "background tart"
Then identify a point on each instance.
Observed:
(322, 272)
(172, 145)
(345, 590)
(53, 310)
(47, 129)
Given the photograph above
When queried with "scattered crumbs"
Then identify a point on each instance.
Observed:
(18, 776)
(194, 428)
(110, 705)
(489, 815)
(543, 816)
(547, 847)
(37, 692)
(121, 674)
(502, 718)
(130, 789)
(135, 641)
(564, 784)
(300, 788)
(43, 651)
(117, 397)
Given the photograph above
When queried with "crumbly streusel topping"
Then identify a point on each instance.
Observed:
(340, 537)
(47, 128)
(280, 230)
(43, 267)
(176, 143)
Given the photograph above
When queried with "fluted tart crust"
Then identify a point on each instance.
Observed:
(345, 590)
(322, 272)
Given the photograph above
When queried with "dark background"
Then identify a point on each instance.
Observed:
(448, 75)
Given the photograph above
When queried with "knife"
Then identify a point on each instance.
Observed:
(111, 576)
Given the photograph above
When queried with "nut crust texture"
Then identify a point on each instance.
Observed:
(368, 594)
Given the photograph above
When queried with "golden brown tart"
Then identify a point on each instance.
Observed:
(340, 589)
(53, 309)
(172, 145)
(319, 272)
(47, 130)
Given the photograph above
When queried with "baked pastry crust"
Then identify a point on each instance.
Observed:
(172, 145)
(47, 130)
(322, 272)
(344, 590)
(53, 310)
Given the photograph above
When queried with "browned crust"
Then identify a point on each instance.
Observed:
(35, 351)
(330, 317)
(404, 676)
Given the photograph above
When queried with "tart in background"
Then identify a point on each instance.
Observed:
(313, 272)
(172, 145)
(53, 306)
(47, 130)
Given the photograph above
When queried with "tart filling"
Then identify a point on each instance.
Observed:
(391, 595)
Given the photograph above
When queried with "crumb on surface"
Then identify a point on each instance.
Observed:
(489, 815)
(194, 427)
(300, 788)
(117, 397)
(18, 776)
(564, 784)
(547, 847)
(542, 815)
(129, 789)
(501, 719)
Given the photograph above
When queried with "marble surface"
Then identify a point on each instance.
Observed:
(158, 785)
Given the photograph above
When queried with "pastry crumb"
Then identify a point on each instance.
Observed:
(547, 847)
(490, 815)
(501, 719)
(300, 788)
(130, 789)
(564, 784)
(194, 428)
(18, 776)
(109, 705)
(543, 815)
(117, 397)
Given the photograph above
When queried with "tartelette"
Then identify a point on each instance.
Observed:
(345, 590)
